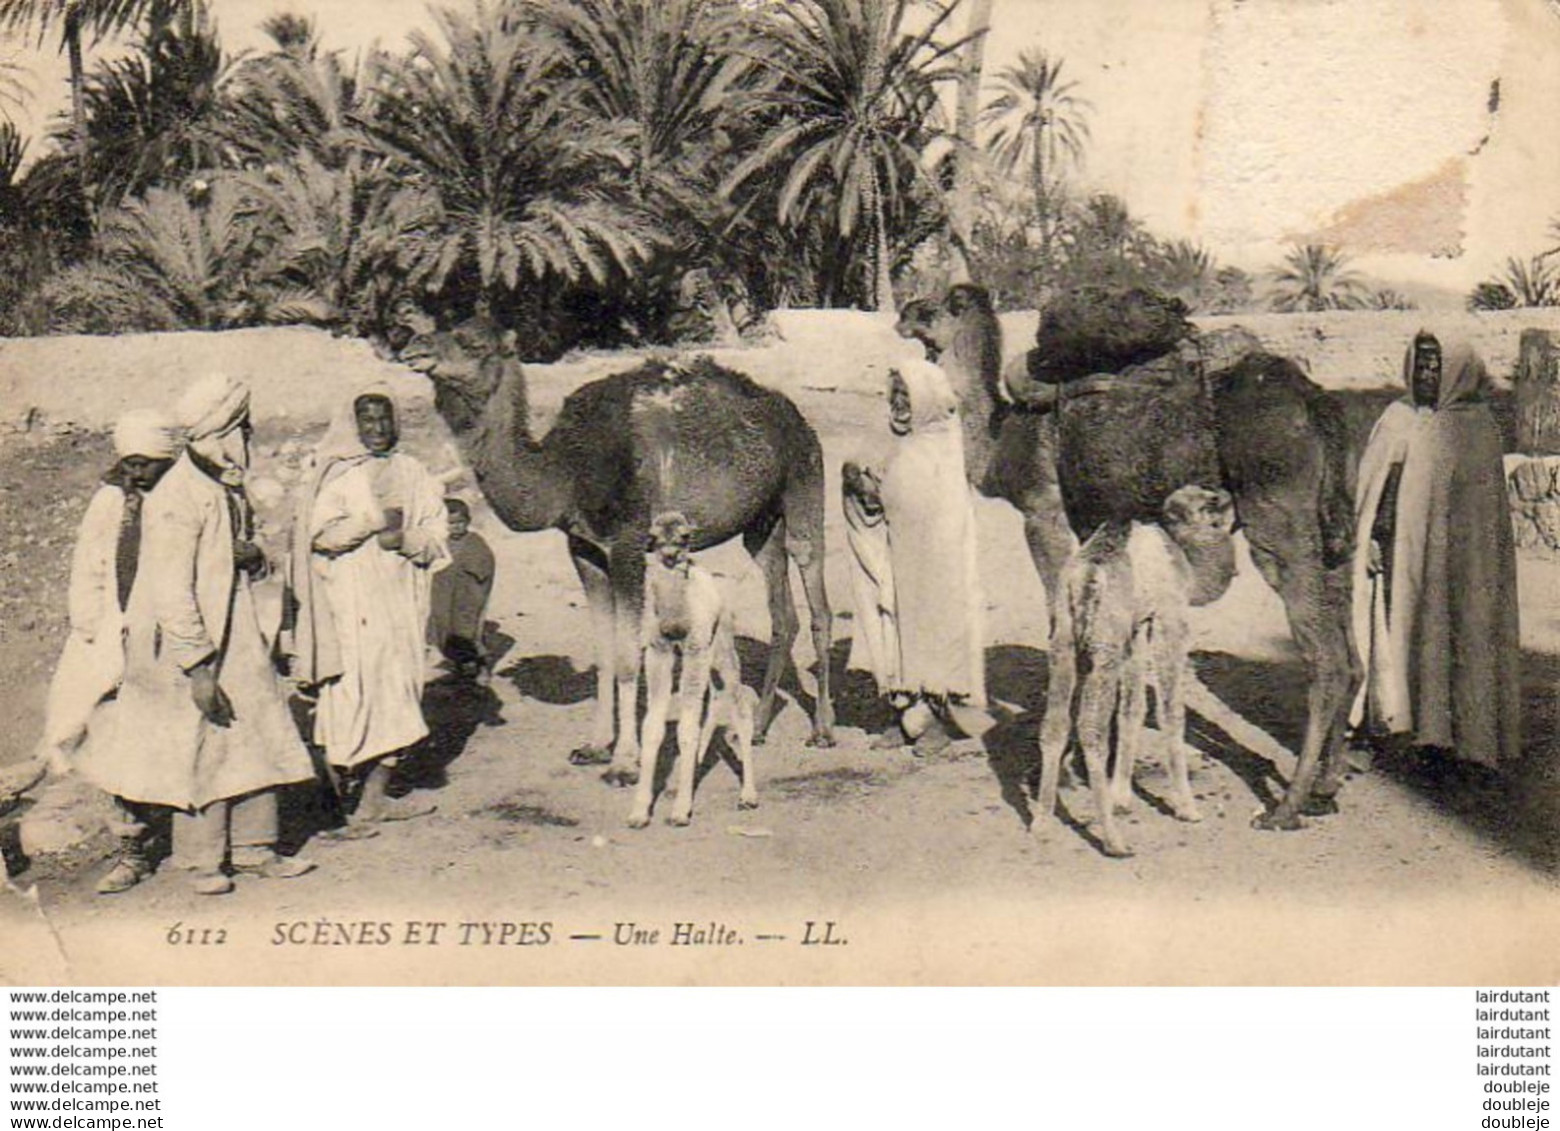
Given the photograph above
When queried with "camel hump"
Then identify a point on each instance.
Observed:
(1223, 348)
(1093, 329)
(1279, 427)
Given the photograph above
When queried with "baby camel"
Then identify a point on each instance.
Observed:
(1122, 618)
(686, 615)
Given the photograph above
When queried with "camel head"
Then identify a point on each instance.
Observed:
(939, 324)
(465, 365)
(925, 320)
(671, 539)
(1201, 521)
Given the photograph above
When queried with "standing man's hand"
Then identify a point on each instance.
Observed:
(393, 536)
(1373, 562)
(209, 696)
(250, 559)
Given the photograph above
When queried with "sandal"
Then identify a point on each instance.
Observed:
(123, 876)
(211, 883)
(590, 756)
(273, 867)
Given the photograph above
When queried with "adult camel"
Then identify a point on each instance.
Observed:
(734, 457)
(1116, 408)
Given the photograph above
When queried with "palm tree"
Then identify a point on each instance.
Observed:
(505, 170)
(1533, 282)
(1388, 299)
(1315, 277)
(172, 260)
(75, 19)
(12, 150)
(151, 115)
(293, 34)
(334, 239)
(1039, 123)
(296, 99)
(1187, 270)
(1492, 295)
(14, 88)
(850, 107)
(961, 204)
(656, 70)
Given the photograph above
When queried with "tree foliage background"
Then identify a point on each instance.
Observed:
(588, 172)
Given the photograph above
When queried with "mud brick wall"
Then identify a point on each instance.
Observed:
(1533, 486)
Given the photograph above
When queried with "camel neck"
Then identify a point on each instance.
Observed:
(518, 476)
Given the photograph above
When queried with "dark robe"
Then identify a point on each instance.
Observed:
(460, 597)
(1452, 645)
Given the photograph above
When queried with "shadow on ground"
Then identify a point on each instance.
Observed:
(1518, 811)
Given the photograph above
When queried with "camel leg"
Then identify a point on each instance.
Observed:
(808, 556)
(740, 730)
(1049, 538)
(736, 714)
(659, 663)
(1032, 486)
(1096, 705)
(1170, 670)
(627, 568)
(1056, 727)
(1311, 600)
(1130, 724)
(690, 712)
(598, 598)
(1343, 659)
(803, 513)
(767, 549)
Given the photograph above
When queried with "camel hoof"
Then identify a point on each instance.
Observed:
(1277, 821)
(638, 821)
(748, 803)
(620, 777)
(590, 756)
(820, 742)
(680, 820)
(1187, 812)
(1320, 805)
(1116, 850)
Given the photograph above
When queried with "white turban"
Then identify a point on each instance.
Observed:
(144, 432)
(213, 406)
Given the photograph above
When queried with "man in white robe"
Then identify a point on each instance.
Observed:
(201, 724)
(370, 531)
(102, 573)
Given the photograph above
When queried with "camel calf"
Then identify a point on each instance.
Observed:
(686, 615)
(1122, 618)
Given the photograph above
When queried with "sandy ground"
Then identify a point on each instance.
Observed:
(926, 868)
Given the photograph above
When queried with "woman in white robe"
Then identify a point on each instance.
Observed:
(922, 601)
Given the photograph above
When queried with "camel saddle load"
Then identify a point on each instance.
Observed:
(1136, 410)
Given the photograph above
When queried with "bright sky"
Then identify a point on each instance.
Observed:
(1241, 123)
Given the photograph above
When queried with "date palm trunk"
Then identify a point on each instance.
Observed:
(961, 205)
(78, 109)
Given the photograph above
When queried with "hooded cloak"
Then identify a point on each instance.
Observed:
(1439, 629)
